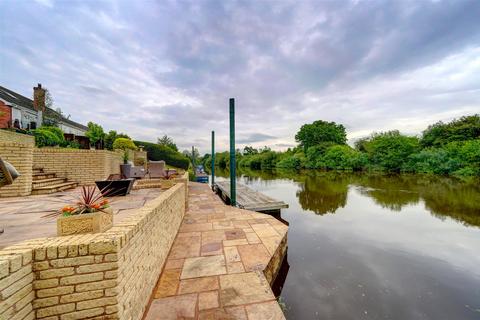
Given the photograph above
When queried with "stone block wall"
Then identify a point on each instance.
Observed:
(83, 166)
(142, 258)
(16, 284)
(108, 275)
(18, 150)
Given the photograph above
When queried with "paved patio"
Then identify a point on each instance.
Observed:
(215, 269)
(23, 218)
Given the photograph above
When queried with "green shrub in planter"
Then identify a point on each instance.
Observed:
(124, 144)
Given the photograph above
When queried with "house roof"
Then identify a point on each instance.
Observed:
(15, 98)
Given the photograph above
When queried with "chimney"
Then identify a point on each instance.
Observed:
(39, 98)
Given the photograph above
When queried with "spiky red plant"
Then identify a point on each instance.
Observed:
(90, 200)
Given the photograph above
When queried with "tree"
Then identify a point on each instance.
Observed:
(94, 133)
(360, 144)
(111, 137)
(439, 134)
(390, 150)
(249, 150)
(319, 132)
(167, 141)
(48, 99)
(189, 155)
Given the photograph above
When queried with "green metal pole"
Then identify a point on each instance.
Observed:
(213, 158)
(193, 159)
(233, 182)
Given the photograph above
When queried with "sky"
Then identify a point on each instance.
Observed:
(149, 68)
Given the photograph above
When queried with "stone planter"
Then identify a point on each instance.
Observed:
(85, 223)
(167, 184)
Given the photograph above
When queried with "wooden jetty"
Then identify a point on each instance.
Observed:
(249, 199)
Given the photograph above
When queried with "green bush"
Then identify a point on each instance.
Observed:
(73, 144)
(124, 144)
(157, 152)
(265, 160)
(290, 162)
(390, 150)
(431, 160)
(316, 153)
(111, 137)
(48, 137)
(342, 157)
(440, 134)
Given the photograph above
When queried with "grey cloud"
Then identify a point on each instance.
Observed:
(255, 137)
(154, 68)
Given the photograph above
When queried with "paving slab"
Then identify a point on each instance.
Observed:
(216, 268)
(24, 218)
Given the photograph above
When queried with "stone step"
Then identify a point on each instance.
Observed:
(43, 175)
(37, 170)
(54, 188)
(47, 182)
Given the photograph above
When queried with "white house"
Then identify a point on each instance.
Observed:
(21, 112)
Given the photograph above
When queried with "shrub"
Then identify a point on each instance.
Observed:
(111, 137)
(342, 157)
(73, 144)
(390, 150)
(48, 136)
(439, 134)
(157, 152)
(290, 162)
(124, 144)
(431, 160)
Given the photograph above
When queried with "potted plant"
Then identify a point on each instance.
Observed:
(168, 179)
(125, 167)
(90, 214)
(124, 144)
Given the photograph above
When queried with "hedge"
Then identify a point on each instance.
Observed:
(156, 152)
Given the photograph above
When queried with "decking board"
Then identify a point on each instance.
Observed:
(250, 199)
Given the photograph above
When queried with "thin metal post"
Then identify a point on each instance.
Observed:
(193, 159)
(233, 182)
(213, 158)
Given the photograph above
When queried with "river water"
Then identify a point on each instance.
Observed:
(375, 246)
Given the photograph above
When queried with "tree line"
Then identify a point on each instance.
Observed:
(451, 148)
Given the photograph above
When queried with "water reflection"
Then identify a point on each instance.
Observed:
(323, 193)
(326, 192)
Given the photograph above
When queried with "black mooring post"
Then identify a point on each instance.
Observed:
(213, 159)
(233, 182)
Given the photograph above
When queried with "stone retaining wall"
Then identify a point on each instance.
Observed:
(108, 275)
(83, 166)
(18, 150)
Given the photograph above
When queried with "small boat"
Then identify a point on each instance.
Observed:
(200, 174)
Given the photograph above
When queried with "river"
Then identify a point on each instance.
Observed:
(364, 246)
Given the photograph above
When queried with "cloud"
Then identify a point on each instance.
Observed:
(255, 137)
(155, 68)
